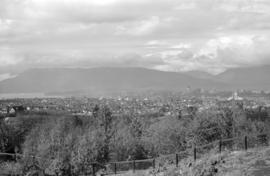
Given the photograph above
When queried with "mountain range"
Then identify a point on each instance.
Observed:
(132, 79)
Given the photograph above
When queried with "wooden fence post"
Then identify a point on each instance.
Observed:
(115, 169)
(134, 166)
(246, 144)
(33, 160)
(154, 163)
(220, 145)
(82, 170)
(194, 153)
(93, 168)
(176, 159)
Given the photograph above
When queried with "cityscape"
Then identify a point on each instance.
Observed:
(134, 88)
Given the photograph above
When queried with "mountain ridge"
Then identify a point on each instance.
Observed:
(105, 79)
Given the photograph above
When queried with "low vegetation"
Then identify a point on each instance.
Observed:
(67, 144)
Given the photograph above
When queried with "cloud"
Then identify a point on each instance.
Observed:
(6, 76)
(8, 57)
(236, 50)
(188, 5)
(156, 43)
(210, 35)
(181, 45)
(137, 28)
(217, 54)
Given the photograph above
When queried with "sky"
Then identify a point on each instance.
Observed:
(167, 35)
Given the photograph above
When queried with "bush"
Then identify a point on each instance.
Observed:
(166, 136)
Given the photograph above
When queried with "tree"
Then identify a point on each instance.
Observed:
(105, 130)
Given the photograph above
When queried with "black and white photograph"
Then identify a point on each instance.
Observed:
(134, 87)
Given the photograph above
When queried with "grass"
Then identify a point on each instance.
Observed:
(253, 162)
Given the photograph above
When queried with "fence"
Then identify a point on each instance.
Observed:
(236, 143)
(243, 142)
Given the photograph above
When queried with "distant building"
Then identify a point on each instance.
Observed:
(235, 97)
(13, 110)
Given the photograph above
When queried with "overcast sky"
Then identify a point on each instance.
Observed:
(170, 35)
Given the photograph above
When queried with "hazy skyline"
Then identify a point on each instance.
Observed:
(169, 35)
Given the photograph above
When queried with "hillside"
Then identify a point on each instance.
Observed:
(104, 80)
(254, 162)
(101, 79)
(247, 77)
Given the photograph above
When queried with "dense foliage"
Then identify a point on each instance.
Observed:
(67, 144)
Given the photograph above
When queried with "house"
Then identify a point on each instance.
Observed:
(13, 110)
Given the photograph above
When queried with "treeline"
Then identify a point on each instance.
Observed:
(67, 144)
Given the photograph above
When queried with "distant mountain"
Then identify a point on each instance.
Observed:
(104, 80)
(199, 74)
(101, 80)
(247, 77)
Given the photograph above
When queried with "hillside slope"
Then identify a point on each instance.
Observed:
(104, 80)
(248, 77)
(101, 79)
(254, 162)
